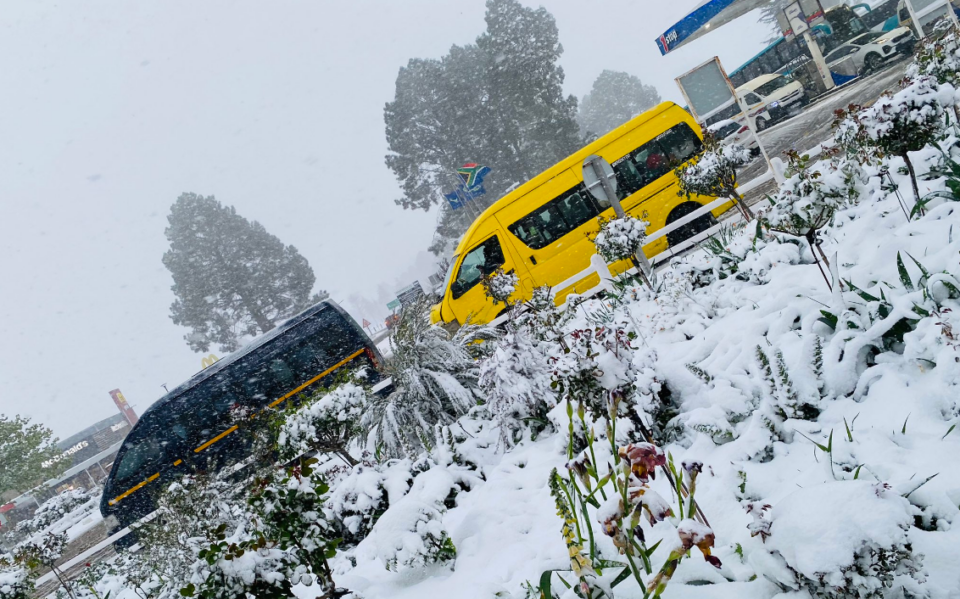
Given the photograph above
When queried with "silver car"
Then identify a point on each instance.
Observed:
(868, 52)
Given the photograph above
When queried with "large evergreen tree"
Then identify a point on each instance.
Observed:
(497, 102)
(615, 98)
(23, 449)
(231, 277)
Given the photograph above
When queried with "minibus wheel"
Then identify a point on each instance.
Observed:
(702, 223)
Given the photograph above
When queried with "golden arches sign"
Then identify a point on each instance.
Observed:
(209, 361)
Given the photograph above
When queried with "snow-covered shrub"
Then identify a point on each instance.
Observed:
(804, 204)
(905, 122)
(189, 514)
(56, 508)
(937, 58)
(42, 552)
(852, 151)
(326, 423)
(713, 173)
(15, 581)
(515, 383)
(847, 540)
(541, 318)
(238, 566)
(435, 376)
(789, 402)
(411, 535)
(358, 501)
(500, 285)
(284, 542)
(748, 257)
(596, 369)
(620, 238)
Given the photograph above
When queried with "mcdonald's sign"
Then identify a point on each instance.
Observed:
(209, 361)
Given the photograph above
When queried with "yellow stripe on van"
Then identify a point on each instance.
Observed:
(317, 378)
(215, 439)
(134, 488)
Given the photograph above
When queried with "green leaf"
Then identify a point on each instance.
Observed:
(923, 271)
(903, 431)
(849, 432)
(904, 275)
(188, 590)
(949, 430)
(866, 296)
(856, 473)
(822, 447)
(828, 319)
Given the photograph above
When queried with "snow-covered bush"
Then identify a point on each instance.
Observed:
(410, 535)
(326, 423)
(713, 173)
(435, 376)
(620, 238)
(746, 257)
(804, 204)
(359, 499)
(500, 285)
(596, 370)
(541, 318)
(283, 542)
(189, 514)
(847, 540)
(937, 58)
(905, 122)
(515, 383)
(789, 402)
(42, 552)
(15, 581)
(56, 508)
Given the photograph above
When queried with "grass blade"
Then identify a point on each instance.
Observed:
(904, 275)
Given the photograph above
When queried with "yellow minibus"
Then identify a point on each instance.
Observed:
(539, 230)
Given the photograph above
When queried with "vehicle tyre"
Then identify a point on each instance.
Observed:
(690, 229)
(871, 63)
(761, 124)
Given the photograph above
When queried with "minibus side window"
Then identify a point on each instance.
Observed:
(556, 218)
(654, 159)
(483, 259)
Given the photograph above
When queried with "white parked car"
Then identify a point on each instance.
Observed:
(772, 98)
(868, 52)
(734, 131)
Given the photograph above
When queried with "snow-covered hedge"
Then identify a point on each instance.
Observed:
(848, 540)
(620, 238)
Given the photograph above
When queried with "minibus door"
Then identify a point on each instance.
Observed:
(467, 297)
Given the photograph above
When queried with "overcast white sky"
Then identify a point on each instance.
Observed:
(109, 110)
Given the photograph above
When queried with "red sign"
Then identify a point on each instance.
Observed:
(123, 406)
(366, 323)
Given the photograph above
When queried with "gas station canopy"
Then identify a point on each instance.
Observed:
(706, 17)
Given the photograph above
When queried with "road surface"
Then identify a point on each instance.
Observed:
(814, 124)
